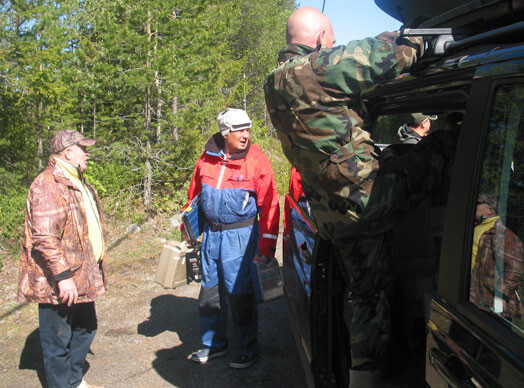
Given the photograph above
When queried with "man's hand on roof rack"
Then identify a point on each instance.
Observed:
(436, 39)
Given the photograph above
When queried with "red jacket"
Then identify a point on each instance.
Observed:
(237, 189)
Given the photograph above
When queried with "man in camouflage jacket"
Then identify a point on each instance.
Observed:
(497, 267)
(62, 266)
(313, 100)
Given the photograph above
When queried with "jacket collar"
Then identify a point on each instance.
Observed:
(294, 50)
(216, 144)
(405, 132)
(58, 174)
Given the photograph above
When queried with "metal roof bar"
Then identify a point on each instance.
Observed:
(512, 28)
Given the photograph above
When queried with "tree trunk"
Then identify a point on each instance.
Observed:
(81, 98)
(174, 111)
(159, 101)
(40, 134)
(94, 120)
(148, 178)
(158, 107)
(244, 98)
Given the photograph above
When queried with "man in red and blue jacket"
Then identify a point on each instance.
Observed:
(239, 201)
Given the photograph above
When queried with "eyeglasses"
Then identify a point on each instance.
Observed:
(83, 148)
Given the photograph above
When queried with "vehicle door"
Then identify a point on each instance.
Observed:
(299, 246)
(476, 326)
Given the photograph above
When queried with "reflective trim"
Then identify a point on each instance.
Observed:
(267, 235)
(221, 175)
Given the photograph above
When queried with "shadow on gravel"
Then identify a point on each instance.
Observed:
(31, 357)
(179, 315)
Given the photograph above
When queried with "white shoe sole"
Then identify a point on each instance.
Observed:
(203, 360)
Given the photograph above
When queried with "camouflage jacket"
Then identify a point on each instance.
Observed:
(313, 97)
(56, 243)
(499, 242)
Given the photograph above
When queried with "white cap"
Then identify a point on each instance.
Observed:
(232, 120)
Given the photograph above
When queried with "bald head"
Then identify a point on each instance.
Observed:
(310, 27)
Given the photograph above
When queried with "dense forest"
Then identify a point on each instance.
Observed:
(145, 78)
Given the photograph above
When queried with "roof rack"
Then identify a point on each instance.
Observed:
(441, 37)
(489, 35)
(444, 38)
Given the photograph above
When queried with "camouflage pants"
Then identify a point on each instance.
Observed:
(405, 177)
(367, 272)
(362, 248)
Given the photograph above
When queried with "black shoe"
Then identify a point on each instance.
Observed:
(204, 355)
(241, 361)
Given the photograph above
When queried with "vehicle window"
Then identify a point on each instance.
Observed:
(397, 128)
(386, 128)
(497, 274)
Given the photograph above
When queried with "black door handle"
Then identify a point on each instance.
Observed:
(453, 373)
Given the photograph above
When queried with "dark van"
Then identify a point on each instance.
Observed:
(458, 258)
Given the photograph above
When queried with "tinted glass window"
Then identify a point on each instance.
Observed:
(395, 128)
(497, 274)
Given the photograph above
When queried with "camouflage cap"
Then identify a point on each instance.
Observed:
(232, 120)
(64, 139)
(417, 118)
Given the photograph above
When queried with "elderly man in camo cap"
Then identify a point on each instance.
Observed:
(62, 266)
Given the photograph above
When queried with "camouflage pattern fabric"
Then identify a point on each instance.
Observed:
(498, 244)
(407, 173)
(313, 100)
(355, 194)
(56, 241)
(369, 286)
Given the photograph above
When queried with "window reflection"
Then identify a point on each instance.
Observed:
(497, 274)
(496, 262)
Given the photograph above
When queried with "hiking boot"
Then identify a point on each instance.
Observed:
(241, 361)
(204, 355)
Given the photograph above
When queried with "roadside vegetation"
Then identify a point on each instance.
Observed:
(146, 79)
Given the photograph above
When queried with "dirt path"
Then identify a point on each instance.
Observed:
(145, 332)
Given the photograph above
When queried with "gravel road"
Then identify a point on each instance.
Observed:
(146, 332)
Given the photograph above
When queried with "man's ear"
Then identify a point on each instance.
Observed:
(67, 154)
(320, 38)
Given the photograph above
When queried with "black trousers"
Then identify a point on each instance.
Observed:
(66, 334)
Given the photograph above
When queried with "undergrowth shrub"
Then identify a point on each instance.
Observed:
(12, 212)
(118, 188)
(272, 148)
